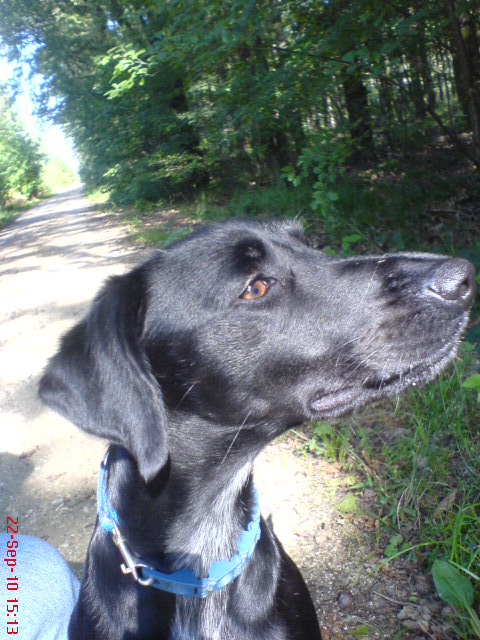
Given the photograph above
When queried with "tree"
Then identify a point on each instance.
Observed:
(463, 25)
(20, 158)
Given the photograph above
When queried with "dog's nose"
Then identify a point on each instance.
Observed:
(454, 280)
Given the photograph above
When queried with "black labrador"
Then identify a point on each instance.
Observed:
(189, 365)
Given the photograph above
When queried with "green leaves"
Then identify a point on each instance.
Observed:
(455, 589)
(473, 382)
(348, 241)
(129, 68)
(395, 546)
(348, 504)
(20, 158)
(452, 587)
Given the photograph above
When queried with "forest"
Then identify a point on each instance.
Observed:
(361, 118)
(167, 99)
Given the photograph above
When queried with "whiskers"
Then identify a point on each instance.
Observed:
(186, 394)
(234, 439)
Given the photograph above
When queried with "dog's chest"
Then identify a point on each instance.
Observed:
(196, 620)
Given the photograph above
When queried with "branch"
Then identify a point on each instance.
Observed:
(452, 135)
(449, 132)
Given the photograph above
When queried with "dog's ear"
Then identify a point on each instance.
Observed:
(101, 380)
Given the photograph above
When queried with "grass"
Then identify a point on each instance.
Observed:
(168, 221)
(98, 197)
(426, 473)
(6, 215)
(160, 237)
(277, 201)
(438, 469)
(19, 204)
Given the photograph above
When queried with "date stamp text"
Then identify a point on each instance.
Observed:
(10, 559)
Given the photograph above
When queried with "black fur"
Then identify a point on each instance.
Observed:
(189, 380)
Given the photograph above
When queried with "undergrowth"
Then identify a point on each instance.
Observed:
(9, 211)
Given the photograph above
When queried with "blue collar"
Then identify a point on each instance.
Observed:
(182, 582)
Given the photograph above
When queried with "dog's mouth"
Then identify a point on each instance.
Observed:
(331, 404)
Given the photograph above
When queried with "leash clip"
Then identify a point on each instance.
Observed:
(131, 563)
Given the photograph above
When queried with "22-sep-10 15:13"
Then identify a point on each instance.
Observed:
(12, 580)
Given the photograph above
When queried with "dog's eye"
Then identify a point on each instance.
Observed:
(256, 289)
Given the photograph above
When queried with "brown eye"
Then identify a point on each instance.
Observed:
(256, 289)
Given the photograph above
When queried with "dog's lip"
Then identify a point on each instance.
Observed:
(334, 400)
(333, 403)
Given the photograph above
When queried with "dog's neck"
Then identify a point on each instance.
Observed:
(194, 511)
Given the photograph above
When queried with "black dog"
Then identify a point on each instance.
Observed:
(189, 365)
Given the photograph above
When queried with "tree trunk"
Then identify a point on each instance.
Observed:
(468, 64)
(459, 88)
(426, 73)
(415, 88)
(385, 95)
(356, 102)
(421, 87)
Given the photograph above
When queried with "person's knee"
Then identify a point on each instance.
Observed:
(37, 579)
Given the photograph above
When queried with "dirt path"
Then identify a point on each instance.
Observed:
(52, 261)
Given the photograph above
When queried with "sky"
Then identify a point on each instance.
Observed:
(55, 143)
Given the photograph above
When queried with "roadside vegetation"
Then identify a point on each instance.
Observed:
(20, 162)
(26, 172)
(57, 176)
(362, 119)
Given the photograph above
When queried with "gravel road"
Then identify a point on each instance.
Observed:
(53, 259)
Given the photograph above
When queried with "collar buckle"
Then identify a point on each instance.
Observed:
(131, 563)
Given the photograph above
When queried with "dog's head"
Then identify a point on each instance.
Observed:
(244, 323)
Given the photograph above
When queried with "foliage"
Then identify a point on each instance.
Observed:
(455, 589)
(56, 175)
(14, 208)
(395, 546)
(323, 160)
(20, 157)
(451, 586)
(328, 442)
(473, 382)
(162, 99)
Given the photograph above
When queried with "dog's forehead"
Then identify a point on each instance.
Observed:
(232, 231)
(223, 244)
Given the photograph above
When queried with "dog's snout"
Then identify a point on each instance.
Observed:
(454, 281)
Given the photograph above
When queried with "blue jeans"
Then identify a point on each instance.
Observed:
(38, 590)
